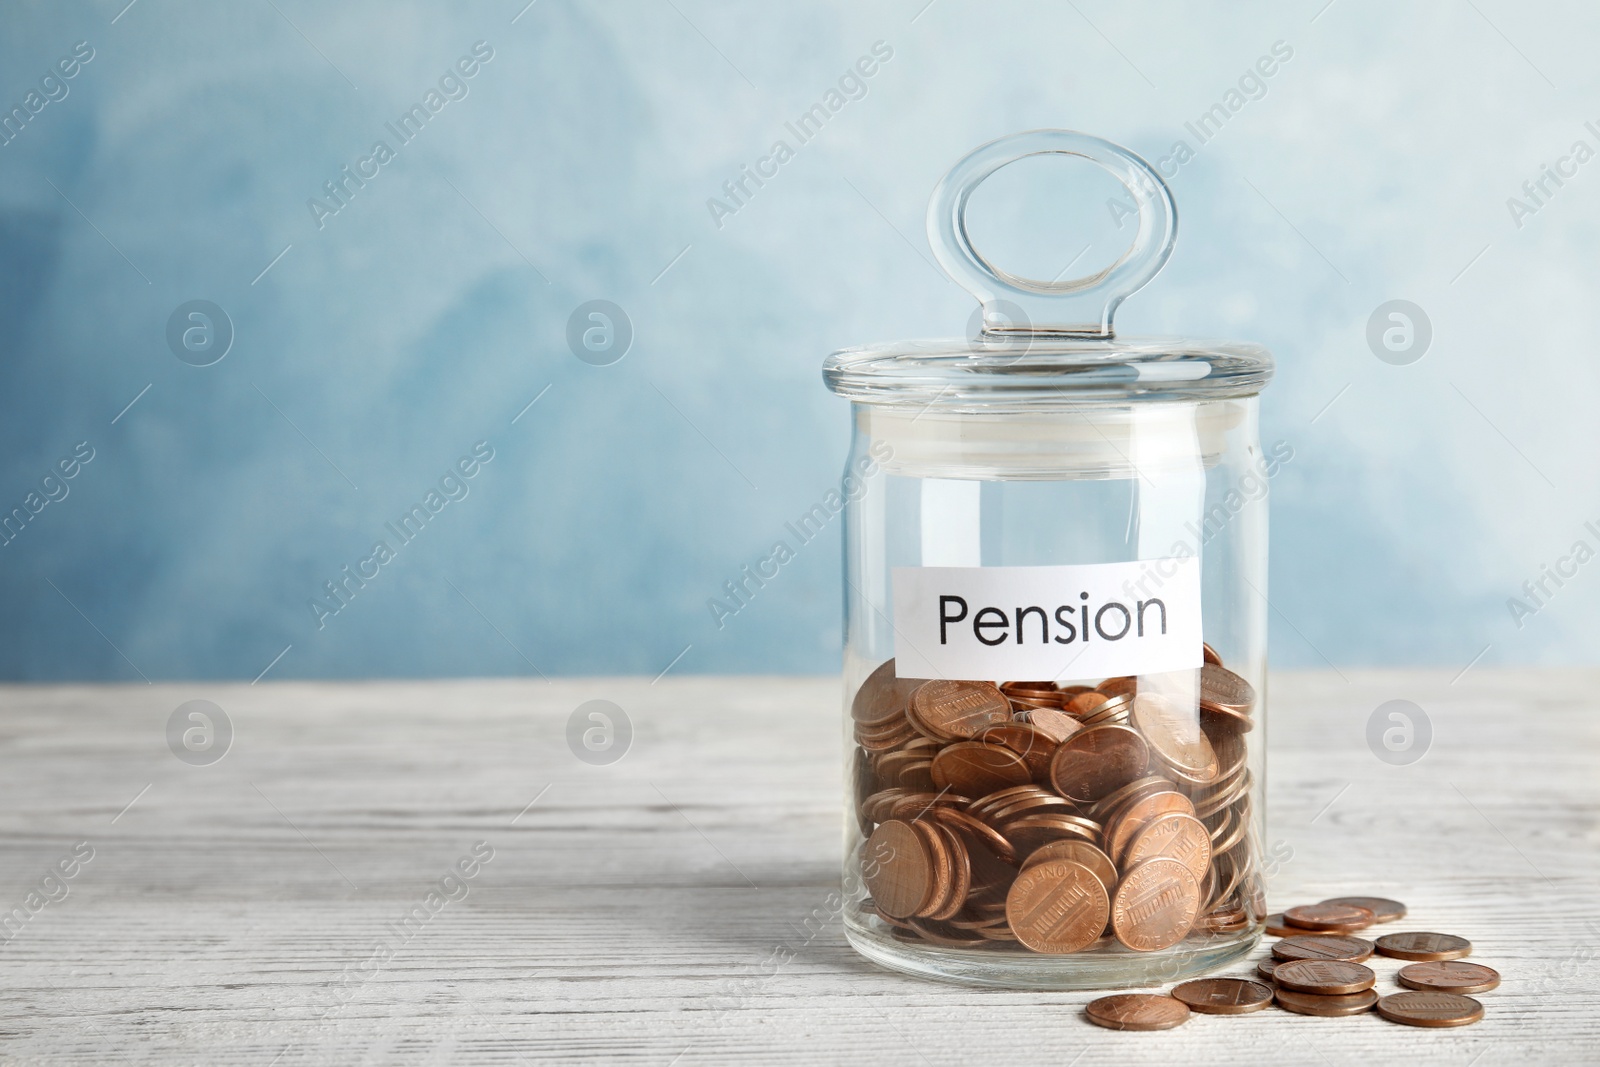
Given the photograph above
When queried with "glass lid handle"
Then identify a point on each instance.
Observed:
(1076, 307)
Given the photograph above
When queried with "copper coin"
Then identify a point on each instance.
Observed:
(1228, 691)
(1115, 801)
(1223, 996)
(1338, 917)
(1175, 735)
(885, 744)
(1060, 823)
(943, 868)
(917, 775)
(962, 869)
(1083, 703)
(952, 711)
(973, 768)
(1209, 654)
(1116, 687)
(1425, 947)
(1001, 797)
(1054, 724)
(1115, 709)
(1042, 803)
(1324, 977)
(1137, 1011)
(1032, 832)
(1430, 1009)
(916, 805)
(1093, 762)
(1155, 905)
(1140, 812)
(1176, 836)
(1314, 1004)
(944, 934)
(1230, 838)
(1045, 690)
(977, 831)
(1383, 910)
(1451, 976)
(898, 869)
(882, 697)
(1022, 707)
(1057, 907)
(1026, 740)
(1266, 968)
(1232, 720)
(1077, 852)
(1323, 947)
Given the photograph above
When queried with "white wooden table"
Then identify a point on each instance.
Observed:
(654, 911)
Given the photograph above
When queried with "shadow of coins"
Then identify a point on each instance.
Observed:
(1399, 332)
(1008, 338)
(199, 732)
(1399, 732)
(599, 732)
(199, 333)
(599, 332)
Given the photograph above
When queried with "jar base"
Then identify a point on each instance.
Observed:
(1113, 967)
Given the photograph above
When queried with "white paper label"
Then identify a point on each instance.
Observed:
(1086, 621)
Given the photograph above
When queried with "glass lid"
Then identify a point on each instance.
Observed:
(1049, 342)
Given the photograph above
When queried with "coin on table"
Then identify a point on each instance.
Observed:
(1315, 1004)
(1175, 835)
(898, 869)
(1093, 762)
(1323, 947)
(1340, 918)
(1424, 947)
(1057, 906)
(1209, 654)
(1383, 909)
(1223, 996)
(1155, 905)
(1137, 1011)
(1430, 1009)
(1276, 927)
(1266, 967)
(1324, 977)
(1450, 976)
(882, 698)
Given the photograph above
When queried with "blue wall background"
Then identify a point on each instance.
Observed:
(373, 351)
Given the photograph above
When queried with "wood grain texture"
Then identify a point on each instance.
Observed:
(672, 907)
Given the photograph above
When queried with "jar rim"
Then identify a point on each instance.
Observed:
(1033, 370)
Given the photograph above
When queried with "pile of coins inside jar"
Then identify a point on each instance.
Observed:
(1318, 969)
(1057, 818)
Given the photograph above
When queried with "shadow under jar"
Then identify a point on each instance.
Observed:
(1055, 626)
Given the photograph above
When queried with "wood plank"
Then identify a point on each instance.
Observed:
(657, 908)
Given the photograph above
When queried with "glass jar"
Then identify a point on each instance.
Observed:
(1055, 625)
